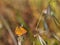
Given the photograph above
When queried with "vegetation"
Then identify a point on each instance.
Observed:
(29, 22)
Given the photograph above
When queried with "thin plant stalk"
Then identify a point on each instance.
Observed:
(8, 28)
(20, 39)
(41, 40)
(56, 37)
(49, 13)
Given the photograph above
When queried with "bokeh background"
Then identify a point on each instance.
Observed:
(41, 14)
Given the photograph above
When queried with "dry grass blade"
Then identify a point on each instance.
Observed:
(41, 40)
(20, 40)
(8, 28)
(56, 37)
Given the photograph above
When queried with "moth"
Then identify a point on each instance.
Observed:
(19, 31)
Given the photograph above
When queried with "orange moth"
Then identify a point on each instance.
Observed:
(20, 31)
